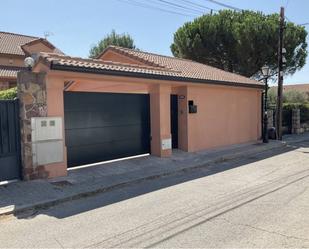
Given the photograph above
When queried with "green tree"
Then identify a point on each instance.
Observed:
(294, 96)
(240, 42)
(122, 40)
(290, 97)
(8, 94)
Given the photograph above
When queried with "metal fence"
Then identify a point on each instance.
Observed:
(9, 140)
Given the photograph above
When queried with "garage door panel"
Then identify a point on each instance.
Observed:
(104, 151)
(102, 101)
(82, 120)
(103, 134)
(105, 126)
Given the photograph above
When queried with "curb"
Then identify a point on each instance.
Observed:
(11, 210)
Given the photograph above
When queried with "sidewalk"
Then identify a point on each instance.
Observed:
(22, 196)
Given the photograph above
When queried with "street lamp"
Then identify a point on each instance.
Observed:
(265, 72)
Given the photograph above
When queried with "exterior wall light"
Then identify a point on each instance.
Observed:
(29, 63)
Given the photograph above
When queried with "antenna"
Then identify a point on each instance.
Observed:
(48, 34)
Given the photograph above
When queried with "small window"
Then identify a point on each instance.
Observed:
(52, 123)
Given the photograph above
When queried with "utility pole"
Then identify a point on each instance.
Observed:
(280, 77)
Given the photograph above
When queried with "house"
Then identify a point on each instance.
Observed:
(14, 48)
(128, 102)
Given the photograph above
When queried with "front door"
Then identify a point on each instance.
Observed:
(174, 121)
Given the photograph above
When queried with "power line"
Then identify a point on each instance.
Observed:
(301, 24)
(198, 5)
(152, 7)
(288, 19)
(225, 5)
(179, 6)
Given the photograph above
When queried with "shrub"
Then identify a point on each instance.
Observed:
(294, 96)
(8, 94)
(289, 97)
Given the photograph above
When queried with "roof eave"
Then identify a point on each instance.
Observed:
(54, 66)
(8, 77)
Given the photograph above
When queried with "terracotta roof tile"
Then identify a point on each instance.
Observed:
(163, 66)
(188, 68)
(56, 59)
(9, 72)
(12, 43)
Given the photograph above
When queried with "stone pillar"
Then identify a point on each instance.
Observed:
(295, 121)
(270, 114)
(31, 91)
(39, 96)
(160, 120)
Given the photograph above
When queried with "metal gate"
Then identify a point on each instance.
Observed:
(10, 162)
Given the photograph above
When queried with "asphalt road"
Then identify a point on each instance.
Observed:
(262, 201)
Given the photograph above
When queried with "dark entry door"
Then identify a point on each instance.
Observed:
(105, 126)
(174, 120)
(9, 140)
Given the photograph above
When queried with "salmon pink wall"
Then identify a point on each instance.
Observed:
(160, 118)
(55, 108)
(225, 116)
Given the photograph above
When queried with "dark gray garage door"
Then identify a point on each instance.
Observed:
(105, 126)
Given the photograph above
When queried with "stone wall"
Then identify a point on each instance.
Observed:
(270, 115)
(31, 88)
(295, 121)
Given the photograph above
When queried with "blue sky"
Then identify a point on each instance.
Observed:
(78, 24)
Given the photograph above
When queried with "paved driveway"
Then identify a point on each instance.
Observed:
(259, 201)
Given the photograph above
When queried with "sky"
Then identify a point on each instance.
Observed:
(76, 25)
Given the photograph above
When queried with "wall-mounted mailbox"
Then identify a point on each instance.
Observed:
(192, 107)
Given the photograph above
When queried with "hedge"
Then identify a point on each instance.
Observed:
(8, 94)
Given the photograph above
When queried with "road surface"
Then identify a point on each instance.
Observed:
(262, 201)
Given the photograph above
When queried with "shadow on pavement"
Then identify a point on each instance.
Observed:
(86, 204)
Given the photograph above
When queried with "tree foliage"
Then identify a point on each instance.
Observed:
(240, 42)
(8, 94)
(290, 97)
(122, 40)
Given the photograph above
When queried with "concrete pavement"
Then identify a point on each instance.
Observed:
(22, 196)
(253, 202)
